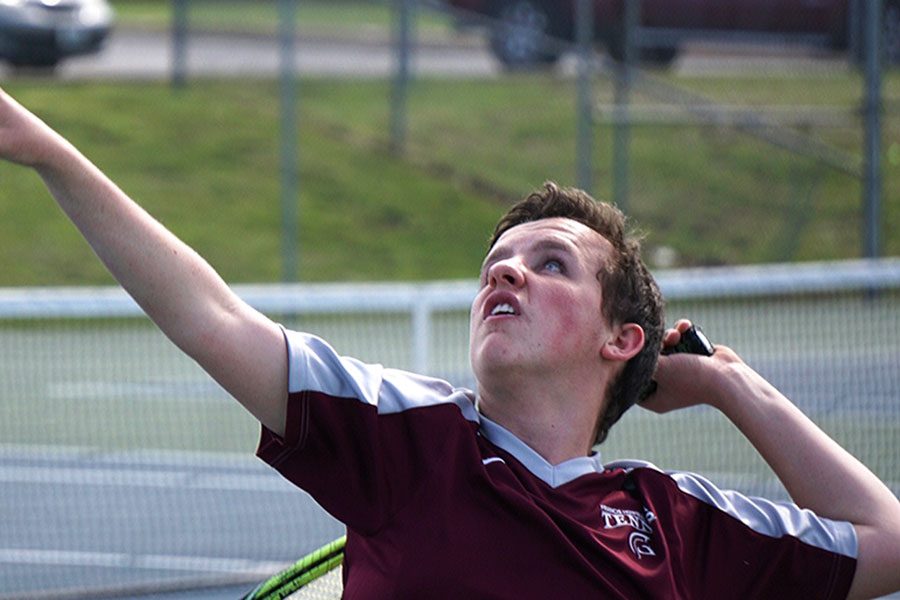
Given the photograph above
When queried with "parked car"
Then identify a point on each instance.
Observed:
(40, 33)
(526, 33)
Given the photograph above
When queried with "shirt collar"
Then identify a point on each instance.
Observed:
(552, 475)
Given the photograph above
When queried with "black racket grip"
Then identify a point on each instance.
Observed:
(693, 341)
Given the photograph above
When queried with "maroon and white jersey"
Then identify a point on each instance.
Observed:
(440, 502)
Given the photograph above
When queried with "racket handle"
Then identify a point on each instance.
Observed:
(693, 341)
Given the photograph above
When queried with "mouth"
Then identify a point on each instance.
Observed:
(501, 305)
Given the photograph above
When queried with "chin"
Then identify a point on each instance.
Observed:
(497, 367)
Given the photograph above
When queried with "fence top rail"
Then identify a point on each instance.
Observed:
(780, 279)
(347, 298)
(276, 298)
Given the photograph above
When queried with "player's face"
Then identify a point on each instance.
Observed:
(539, 306)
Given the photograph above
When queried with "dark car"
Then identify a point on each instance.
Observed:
(531, 32)
(41, 33)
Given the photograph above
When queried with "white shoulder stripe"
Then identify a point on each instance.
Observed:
(774, 519)
(313, 365)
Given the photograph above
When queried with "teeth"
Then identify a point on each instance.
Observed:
(504, 309)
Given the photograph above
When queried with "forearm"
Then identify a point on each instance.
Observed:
(176, 287)
(819, 475)
(170, 281)
(242, 349)
(815, 470)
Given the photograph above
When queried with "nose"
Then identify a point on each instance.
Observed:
(507, 272)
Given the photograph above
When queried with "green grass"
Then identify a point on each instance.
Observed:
(314, 17)
(204, 161)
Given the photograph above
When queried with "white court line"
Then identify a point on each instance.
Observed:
(182, 480)
(202, 458)
(170, 391)
(120, 560)
(168, 469)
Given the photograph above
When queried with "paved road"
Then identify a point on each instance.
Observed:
(148, 55)
(141, 54)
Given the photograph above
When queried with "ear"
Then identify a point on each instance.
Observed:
(625, 341)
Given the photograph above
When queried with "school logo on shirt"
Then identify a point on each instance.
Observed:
(640, 523)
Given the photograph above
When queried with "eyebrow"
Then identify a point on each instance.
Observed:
(541, 246)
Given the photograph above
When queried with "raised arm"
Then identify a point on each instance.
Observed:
(815, 470)
(242, 349)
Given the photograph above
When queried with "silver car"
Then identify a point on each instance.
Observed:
(40, 33)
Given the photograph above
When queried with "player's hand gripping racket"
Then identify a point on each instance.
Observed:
(316, 575)
(693, 341)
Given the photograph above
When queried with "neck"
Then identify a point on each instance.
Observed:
(555, 416)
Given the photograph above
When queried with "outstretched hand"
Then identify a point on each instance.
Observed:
(684, 380)
(24, 139)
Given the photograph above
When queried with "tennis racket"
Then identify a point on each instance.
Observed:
(315, 576)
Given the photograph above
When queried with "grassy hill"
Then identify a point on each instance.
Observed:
(204, 160)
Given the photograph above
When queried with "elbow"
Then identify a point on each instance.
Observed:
(878, 560)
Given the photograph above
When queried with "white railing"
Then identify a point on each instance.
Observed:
(422, 300)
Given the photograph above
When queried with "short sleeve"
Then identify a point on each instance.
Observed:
(359, 437)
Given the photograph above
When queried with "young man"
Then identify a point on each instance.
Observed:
(450, 493)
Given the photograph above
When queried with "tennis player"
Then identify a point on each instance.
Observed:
(497, 493)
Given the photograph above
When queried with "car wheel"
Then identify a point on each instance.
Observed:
(891, 34)
(521, 34)
(659, 57)
(662, 56)
(43, 63)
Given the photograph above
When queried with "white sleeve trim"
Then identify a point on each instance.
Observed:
(774, 519)
(313, 365)
(766, 517)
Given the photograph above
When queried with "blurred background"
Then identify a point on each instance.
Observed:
(342, 163)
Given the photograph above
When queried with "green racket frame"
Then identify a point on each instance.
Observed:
(306, 570)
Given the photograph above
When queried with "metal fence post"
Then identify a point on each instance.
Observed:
(854, 28)
(872, 151)
(421, 336)
(622, 127)
(179, 43)
(584, 18)
(402, 41)
(289, 159)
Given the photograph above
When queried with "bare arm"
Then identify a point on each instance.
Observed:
(815, 470)
(242, 349)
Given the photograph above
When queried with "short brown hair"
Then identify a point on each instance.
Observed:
(630, 293)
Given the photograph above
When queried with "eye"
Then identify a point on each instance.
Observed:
(553, 265)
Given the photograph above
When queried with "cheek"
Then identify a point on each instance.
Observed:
(474, 310)
(577, 322)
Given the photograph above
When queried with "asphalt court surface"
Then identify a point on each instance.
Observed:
(80, 520)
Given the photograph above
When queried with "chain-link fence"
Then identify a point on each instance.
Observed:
(781, 121)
